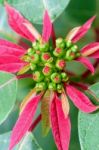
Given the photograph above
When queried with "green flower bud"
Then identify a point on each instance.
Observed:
(44, 47)
(38, 76)
(45, 57)
(35, 58)
(56, 78)
(64, 76)
(30, 51)
(74, 48)
(35, 45)
(60, 64)
(41, 86)
(32, 66)
(60, 43)
(69, 55)
(58, 52)
(47, 70)
(68, 44)
(59, 88)
(52, 86)
(26, 58)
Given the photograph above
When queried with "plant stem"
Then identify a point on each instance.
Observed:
(35, 123)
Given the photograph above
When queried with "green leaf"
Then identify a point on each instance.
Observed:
(34, 10)
(28, 142)
(81, 12)
(8, 91)
(95, 89)
(88, 127)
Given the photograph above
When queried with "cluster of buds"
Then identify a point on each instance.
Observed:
(47, 67)
(66, 49)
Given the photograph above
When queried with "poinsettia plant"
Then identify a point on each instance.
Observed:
(45, 61)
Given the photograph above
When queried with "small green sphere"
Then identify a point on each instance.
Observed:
(41, 86)
(35, 45)
(60, 43)
(38, 76)
(52, 86)
(56, 78)
(44, 47)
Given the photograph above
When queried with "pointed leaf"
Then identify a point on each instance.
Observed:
(8, 48)
(11, 67)
(60, 125)
(24, 121)
(10, 63)
(83, 30)
(31, 94)
(47, 27)
(16, 21)
(90, 49)
(72, 33)
(45, 104)
(24, 69)
(65, 103)
(80, 100)
(94, 55)
(8, 91)
(86, 63)
(32, 30)
(6, 59)
(28, 142)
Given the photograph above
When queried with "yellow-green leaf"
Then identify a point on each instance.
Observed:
(45, 113)
(24, 69)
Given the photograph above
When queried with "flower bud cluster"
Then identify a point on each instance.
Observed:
(66, 49)
(47, 64)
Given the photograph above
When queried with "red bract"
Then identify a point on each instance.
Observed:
(80, 100)
(11, 53)
(25, 120)
(91, 50)
(14, 58)
(61, 126)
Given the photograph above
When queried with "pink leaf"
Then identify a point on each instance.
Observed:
(94, 55)
(82, 30)
(47, 27)
(80, 100)
(90, 49)
(6, 59)
(86, 63)
(60, 124)
(16, 21)
(8, 48)
(11, 67)
(72, 33)
(24, 122)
